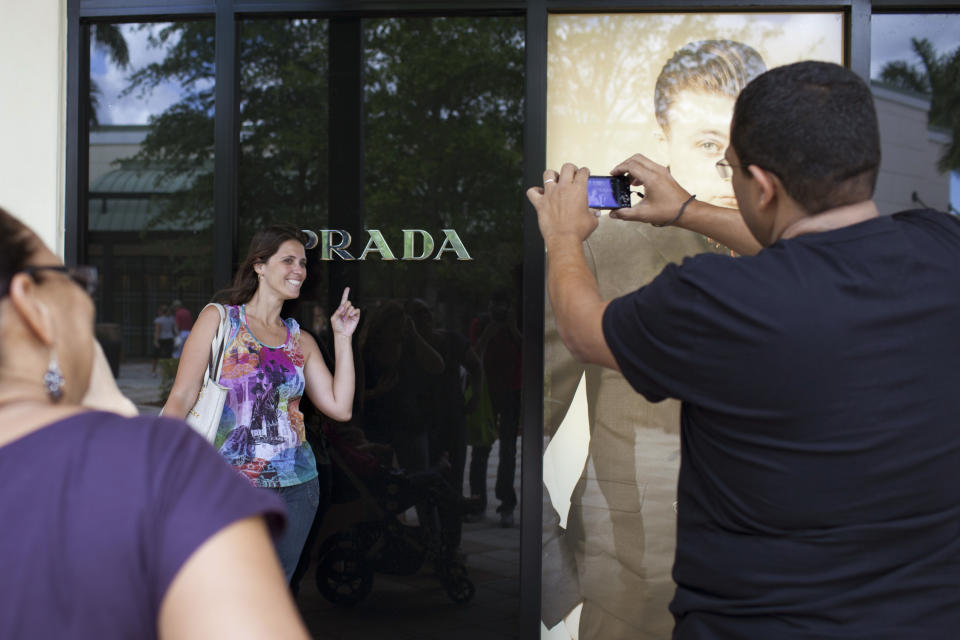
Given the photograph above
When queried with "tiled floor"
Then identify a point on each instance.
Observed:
(414, 607)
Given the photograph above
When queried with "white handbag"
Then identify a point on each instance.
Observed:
(204, 417)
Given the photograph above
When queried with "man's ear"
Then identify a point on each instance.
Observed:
(34, 313)
(768, 186)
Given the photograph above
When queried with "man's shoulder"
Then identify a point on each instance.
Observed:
(929, 217)
(717, 284)
(791, 269)
(718, 267)
(924, 213)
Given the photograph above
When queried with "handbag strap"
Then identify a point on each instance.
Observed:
(217, 346)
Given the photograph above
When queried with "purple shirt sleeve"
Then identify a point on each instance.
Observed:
(194, 494)
(101, 512)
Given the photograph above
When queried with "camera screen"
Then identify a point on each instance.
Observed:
(608, 192)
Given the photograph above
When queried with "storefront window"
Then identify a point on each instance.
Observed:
(397, 140)
(611, 459)
(411, 180)
(443, 116)
(150, 204)
(420, 119)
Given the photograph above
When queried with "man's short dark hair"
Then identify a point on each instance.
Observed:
(814, 125)
(722, 67)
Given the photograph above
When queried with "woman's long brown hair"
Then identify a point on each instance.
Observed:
(264, 244)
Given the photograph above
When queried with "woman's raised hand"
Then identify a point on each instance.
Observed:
(345, 319)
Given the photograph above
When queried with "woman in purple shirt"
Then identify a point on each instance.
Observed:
(113, 526)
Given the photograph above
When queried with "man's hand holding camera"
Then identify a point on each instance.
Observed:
(667, 203)
(565, 222)
(561, 205)
(663, 196)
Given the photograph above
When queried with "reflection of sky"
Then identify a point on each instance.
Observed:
(134, 108)
(890, 36)
(890, 40)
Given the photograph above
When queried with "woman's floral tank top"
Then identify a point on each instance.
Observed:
(261, 432)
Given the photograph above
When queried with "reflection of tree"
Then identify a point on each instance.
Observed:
(283, 116)
(443, 144)
(940, 78)
(109, 39)
(179, 145)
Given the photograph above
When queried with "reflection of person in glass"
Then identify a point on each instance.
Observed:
(268, 364)
(616, 552)
(184, 321)
(136, 518)
(817, 494)
(498, 341)
(449, 406)
(396, 363)
(164, 331)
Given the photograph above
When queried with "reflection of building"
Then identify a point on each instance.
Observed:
(143, 257)
(908, 173)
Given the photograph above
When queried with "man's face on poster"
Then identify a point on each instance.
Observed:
(698, 135)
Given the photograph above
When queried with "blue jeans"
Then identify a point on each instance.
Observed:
(302, 501)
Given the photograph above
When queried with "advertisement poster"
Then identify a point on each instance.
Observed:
(662, 85)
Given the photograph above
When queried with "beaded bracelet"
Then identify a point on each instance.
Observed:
(679, 213)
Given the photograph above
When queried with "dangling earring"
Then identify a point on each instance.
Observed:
(53, 378)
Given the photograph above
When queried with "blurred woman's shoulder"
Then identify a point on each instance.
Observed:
(109, 508)
(90, 427)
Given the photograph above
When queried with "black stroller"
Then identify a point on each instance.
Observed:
(374, 539)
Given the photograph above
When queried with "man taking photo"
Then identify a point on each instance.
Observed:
(818, 493)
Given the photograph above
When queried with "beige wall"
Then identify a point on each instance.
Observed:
(910, 152)
(33, 114)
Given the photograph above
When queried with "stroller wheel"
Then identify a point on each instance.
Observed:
(344, 576)
(457, 584)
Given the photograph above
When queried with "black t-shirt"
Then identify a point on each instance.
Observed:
(819, 490)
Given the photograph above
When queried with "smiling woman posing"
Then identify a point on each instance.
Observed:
(268, 363)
